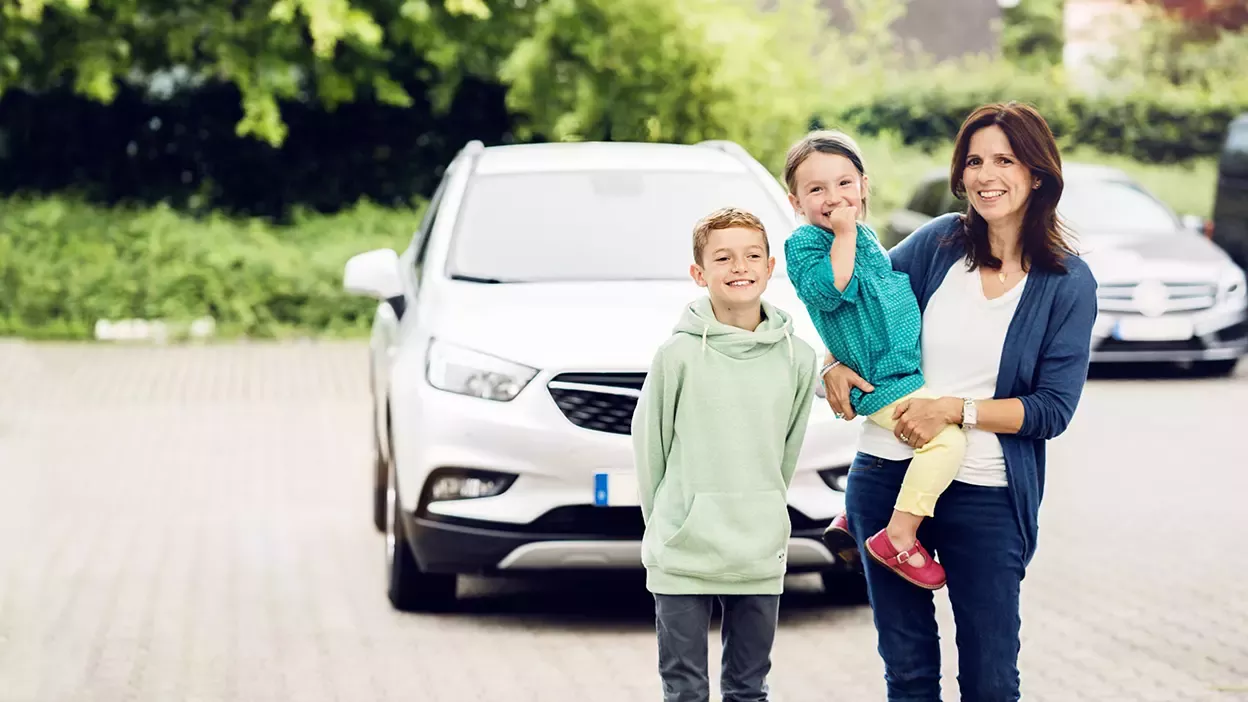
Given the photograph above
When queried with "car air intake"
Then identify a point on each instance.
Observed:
(598, 401)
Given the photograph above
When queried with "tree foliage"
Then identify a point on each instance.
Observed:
(575, 69)
(1032, 34)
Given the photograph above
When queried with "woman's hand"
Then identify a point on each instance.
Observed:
(836, 384)
(920, 419)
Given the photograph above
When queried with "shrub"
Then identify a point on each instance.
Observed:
(65, 264)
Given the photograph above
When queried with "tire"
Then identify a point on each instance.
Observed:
(380, 486)
(408, 587)
(847, 587)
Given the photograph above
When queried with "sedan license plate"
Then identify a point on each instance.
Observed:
(615, 490)
(1153, 329)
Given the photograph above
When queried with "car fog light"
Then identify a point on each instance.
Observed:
(468, 484)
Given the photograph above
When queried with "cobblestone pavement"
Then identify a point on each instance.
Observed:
(193, 524)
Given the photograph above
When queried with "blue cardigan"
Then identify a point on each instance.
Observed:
(1044, 362)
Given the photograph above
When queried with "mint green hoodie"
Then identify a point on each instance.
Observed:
(716, 436)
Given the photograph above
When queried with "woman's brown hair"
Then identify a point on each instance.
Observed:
(1045, 239)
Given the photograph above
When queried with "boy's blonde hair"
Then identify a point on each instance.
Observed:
(824, 141)
(725, 218)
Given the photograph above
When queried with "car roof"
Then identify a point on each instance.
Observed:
(598, 156)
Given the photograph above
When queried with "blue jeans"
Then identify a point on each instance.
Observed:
(748, 632)
(976, 534)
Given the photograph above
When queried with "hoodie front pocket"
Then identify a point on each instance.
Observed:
(730, 536)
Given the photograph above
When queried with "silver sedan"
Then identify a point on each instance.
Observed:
(1167, 293)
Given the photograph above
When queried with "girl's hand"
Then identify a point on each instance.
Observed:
(844, 221)
(836, 384)
(920, 419)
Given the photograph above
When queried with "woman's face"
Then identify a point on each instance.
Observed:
(997, 184)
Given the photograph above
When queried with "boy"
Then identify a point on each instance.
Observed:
(717, 434)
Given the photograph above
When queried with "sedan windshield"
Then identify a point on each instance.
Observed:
(1102, 206)
(597, 225)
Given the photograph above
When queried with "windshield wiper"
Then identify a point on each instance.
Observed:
(475, 279)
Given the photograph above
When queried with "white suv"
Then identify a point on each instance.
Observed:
(509, 349)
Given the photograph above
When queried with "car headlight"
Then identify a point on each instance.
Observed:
(466, 372)
(1232, 287)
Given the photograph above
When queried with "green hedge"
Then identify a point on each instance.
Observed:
(65, 264)
(1157, 126)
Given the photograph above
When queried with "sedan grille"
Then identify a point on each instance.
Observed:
(598, 401)
(1180, 297)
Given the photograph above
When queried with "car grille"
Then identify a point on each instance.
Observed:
(1182, 297)
(598, 401)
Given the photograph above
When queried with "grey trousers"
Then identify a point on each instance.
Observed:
(748, 632)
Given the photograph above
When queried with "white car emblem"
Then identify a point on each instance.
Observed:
(1151, 298)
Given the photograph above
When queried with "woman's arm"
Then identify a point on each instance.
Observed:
(837, 382)
(1061, 373)
(921, 419)
(1062, 368)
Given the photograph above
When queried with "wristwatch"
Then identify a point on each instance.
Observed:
(969, 414)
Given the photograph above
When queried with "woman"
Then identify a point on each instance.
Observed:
(1008, 310)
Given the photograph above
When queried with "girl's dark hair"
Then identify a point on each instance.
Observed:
(1046, 241)
(825, 141)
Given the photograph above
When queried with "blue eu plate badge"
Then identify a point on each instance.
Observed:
(615, 490)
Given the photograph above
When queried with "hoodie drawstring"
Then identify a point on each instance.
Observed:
(789, 339)
(705, 329)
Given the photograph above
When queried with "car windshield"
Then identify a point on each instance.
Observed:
(1094, 206)
(597, 225)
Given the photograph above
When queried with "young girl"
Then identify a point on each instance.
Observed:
(867, 316)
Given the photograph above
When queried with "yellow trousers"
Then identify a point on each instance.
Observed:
(934, 465)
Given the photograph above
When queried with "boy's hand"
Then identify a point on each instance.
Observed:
(844, 221)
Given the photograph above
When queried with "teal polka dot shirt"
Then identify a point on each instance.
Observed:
(873, 325)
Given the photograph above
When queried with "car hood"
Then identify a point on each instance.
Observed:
(595, 326)
(1178, 257)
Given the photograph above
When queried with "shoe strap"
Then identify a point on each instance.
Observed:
(903, 557)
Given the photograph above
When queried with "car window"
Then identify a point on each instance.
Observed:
(927, 199)
(1094, 206)
(597, 225)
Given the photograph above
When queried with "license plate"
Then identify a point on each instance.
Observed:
(1153, 329)
(615, 490)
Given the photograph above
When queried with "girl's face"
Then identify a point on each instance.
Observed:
(825, 182)
(997, 184)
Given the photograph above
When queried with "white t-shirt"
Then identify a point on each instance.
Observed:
(963, 335)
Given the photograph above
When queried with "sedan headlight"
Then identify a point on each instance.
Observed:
(466, 372)
(1232, 288)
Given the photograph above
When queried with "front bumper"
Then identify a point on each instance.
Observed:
(554, 460)
(1219, 336)
(577, 537)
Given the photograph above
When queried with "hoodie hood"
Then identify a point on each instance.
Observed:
(699, 320)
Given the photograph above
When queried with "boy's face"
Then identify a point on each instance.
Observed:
(735, 266)
(825, 182)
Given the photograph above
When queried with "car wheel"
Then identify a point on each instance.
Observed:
(381, 483)
(1217, 369)
(409, 588)
(844, 586)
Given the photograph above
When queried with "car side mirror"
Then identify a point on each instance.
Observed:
(373, 274)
